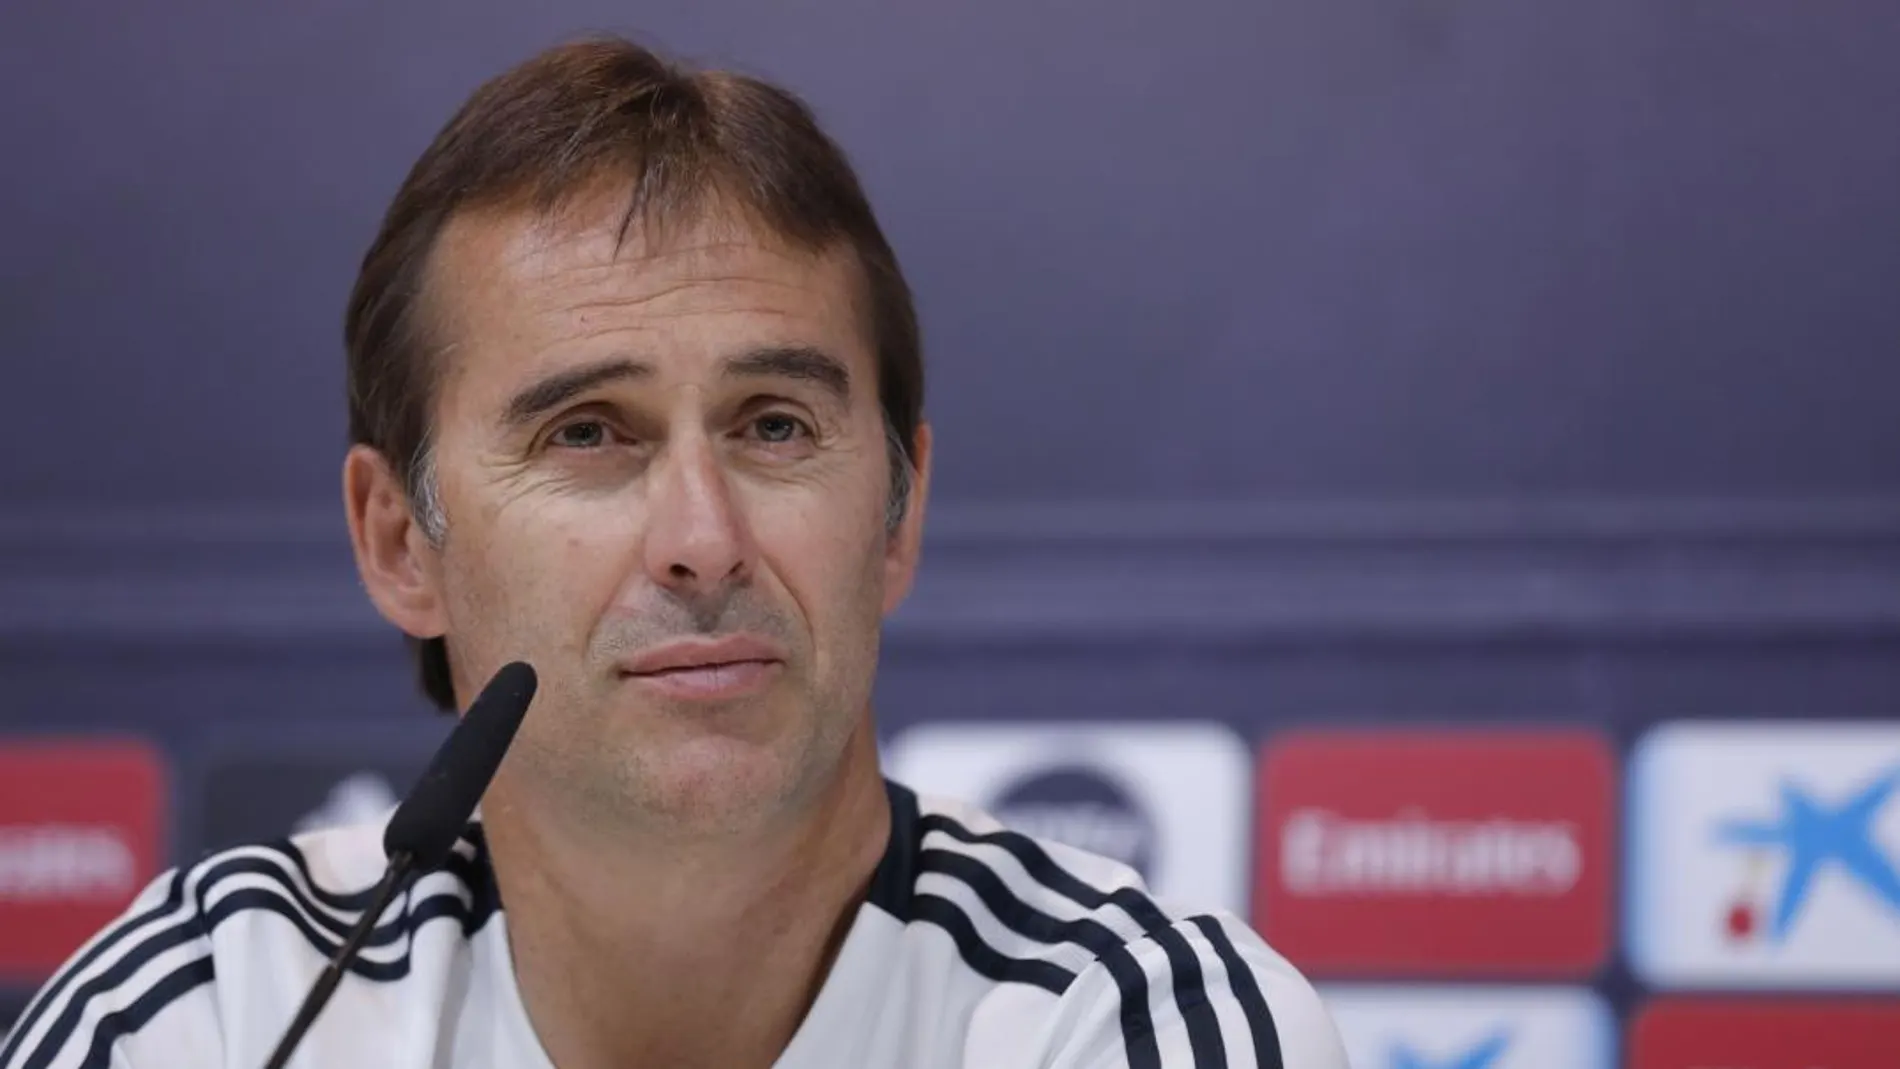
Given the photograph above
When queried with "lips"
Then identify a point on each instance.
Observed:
(710, 671)
(704, 655)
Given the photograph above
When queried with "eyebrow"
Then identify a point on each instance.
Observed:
(794, 362)
(546, 394)
(779, 361)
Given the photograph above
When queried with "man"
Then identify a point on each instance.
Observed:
(636, 396)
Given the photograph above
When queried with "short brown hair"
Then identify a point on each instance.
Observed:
(542, 132)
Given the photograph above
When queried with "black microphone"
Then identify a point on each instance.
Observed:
(424, 828)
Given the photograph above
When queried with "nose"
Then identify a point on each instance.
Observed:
(697, 540)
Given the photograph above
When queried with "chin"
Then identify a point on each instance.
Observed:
(714, 784)
(675, 773)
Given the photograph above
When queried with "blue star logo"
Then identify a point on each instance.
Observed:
(1814, 835)
(1482, 1056)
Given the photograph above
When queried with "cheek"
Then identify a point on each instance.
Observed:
(831, 561)
(531, 586)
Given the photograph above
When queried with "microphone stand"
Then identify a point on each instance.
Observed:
(423, 830)
(394, 879)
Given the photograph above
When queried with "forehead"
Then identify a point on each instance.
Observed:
(514, 292)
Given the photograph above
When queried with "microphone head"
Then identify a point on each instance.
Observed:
(432, 817)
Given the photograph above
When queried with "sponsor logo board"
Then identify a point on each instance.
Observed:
(1408, 853)
(81, 830)
(1765, 1033)
(1170, 800)
(1765, 855)
(1458, 1027)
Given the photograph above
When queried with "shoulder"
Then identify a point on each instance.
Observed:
(1127, 978)
(242, 929)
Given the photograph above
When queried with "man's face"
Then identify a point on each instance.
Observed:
(664, 474)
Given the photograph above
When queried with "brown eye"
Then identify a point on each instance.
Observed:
(588, 435)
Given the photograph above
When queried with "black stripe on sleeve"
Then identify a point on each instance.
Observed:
(181, 982)
(980, 956)
(272, 900)
(345, 901)
(1138, 1026)
(1190, 998)
(1044, 870)
(132, 926)
(469, 871)
(1203, 1027)
(1015, 914)
(467, 903)
(1240, 979)
(60, 1033)
(1189, 979)
(199, 925)
(305, 894)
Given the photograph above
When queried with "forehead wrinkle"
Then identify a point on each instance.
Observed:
(559, 267)
(655, 278)
(586, 245)
(730, 292)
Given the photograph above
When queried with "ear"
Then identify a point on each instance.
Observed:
(905, 546)
(398, 566)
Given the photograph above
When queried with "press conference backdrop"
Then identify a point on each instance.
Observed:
(1420, 475)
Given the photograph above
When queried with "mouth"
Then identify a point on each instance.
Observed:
(707, 670)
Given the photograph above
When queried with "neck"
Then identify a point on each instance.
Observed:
(631, 952)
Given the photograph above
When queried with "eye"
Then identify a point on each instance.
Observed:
(586, 434)
(778, 428)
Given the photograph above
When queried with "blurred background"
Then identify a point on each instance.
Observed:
(1422, 476)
